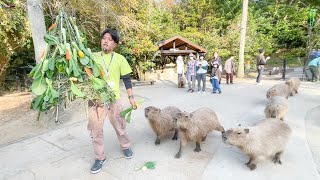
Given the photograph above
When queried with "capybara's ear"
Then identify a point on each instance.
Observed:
(239, 124)
(246, 130)
(191, 115)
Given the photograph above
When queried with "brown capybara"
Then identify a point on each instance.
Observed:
(277, 107)
(278, 90)
(161, 121)
(195, 126)
(266, 139)
(294, 84)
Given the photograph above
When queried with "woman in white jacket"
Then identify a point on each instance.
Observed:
(180, 66)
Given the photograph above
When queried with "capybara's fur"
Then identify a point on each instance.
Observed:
(277, 107)
(278, 90)
(181, 82)
(195, 126)
(294, 84)
(265, 140)
(161, 121)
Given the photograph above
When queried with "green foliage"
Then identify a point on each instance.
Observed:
(14, 29)
(280, 27)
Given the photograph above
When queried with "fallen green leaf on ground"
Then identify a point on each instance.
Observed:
(147, 165)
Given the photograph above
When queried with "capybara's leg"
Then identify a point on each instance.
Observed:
(247, 163)
(281, 118)
(296, 91)
(175, 136)
(291, 94)
(197, 149)
(253, 164)
(276, 158)
(180, 150)
(157, 142)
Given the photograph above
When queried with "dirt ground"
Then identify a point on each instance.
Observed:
(18, 121)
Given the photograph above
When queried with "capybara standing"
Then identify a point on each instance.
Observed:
(266, 139)
(294, 84)
(161, 121)
(277, 107)
(281, 89)
(195, 126)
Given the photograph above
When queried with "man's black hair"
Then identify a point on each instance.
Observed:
(261, 51)
(114, 34)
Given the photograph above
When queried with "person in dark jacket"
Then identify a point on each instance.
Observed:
(261, 62)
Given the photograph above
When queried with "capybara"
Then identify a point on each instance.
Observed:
(161, 121)
(277, 107)
(294, 84)
(195, 126)
(278, 90)
(266, 139)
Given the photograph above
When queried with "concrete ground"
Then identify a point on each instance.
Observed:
(66, 153)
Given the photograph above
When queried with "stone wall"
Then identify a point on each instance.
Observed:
(168, 73)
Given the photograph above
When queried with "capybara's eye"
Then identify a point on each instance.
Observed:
(239, 133)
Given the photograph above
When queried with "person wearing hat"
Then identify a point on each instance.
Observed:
(191, 73)
(114, 66)
(217, 59)
(201, 68)
(214, 78)
(261, 62)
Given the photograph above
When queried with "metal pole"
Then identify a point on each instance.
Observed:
(284, 69)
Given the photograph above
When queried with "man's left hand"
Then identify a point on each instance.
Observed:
(133, 103)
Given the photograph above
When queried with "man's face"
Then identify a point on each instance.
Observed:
(191, 57)
(215, 54)
(107, 43)
(201, 58)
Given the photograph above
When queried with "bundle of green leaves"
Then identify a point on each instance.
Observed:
(67, 69)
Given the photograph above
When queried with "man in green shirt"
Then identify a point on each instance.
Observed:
(115, 66)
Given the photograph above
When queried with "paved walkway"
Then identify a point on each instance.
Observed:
(66, 153)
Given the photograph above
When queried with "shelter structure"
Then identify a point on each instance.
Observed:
(178, 45)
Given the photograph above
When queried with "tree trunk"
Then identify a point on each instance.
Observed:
(243, 38)
(37, 24)
(103, 19)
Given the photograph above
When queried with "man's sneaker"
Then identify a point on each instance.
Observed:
(128, 153)
(96, 167)
(203, 91)
(189, 90)
(259, 83)
(199, 92)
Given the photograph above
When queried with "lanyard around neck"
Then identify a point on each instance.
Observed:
(105, 66)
